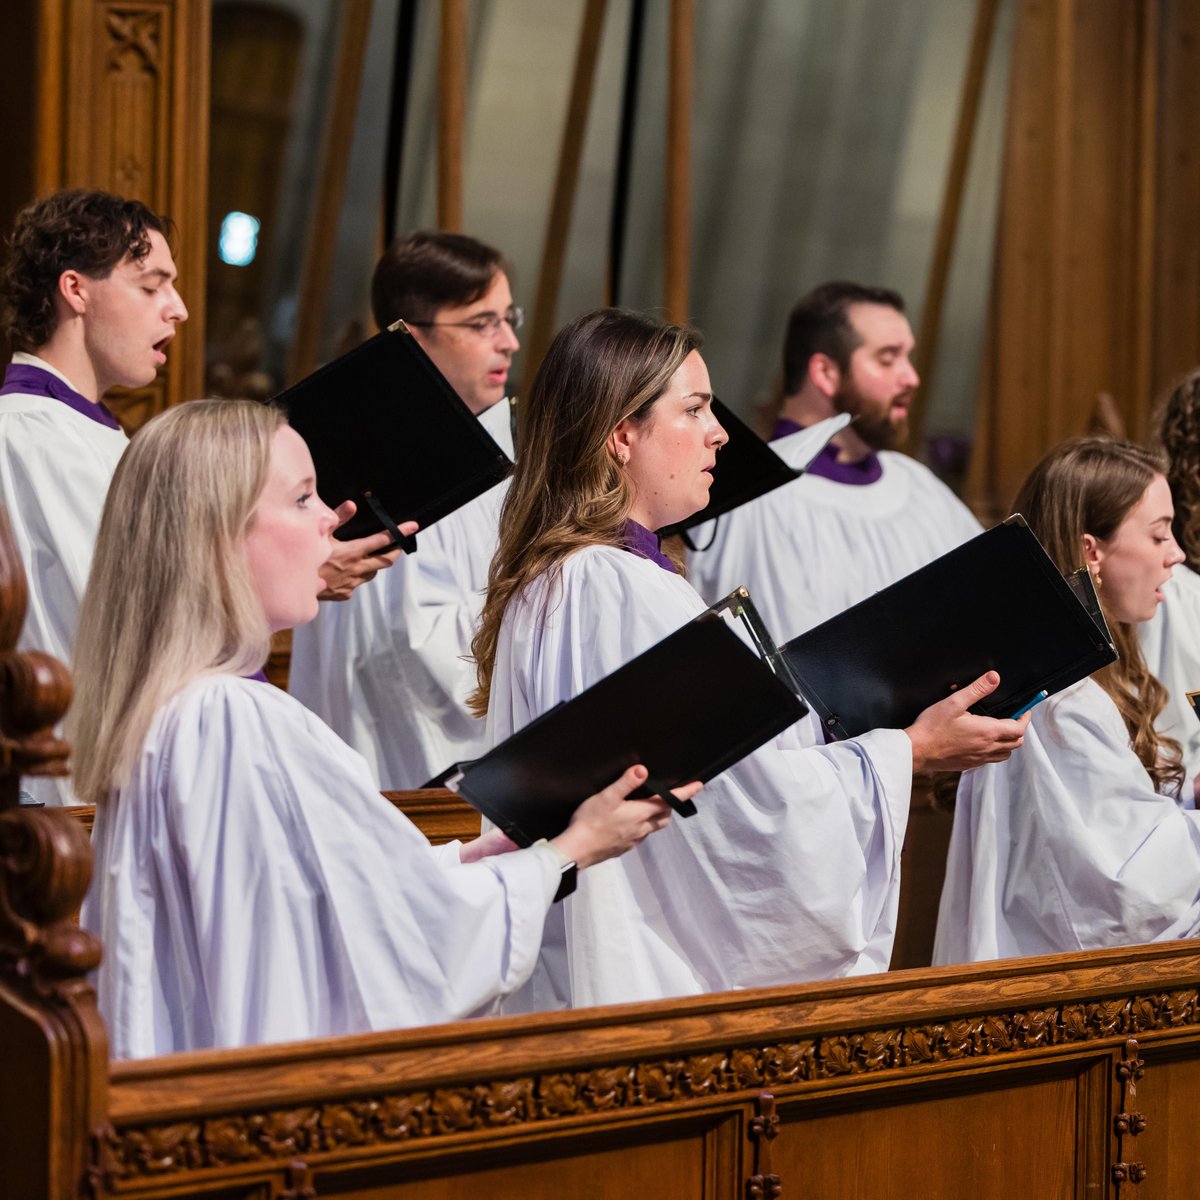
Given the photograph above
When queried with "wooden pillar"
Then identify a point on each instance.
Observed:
(1078, 233)
(452, 108)
(120, 102)
(677, 216)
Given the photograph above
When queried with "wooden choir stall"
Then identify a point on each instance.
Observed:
(1072, 1076)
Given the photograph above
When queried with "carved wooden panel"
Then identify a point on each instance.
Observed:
(122, 104)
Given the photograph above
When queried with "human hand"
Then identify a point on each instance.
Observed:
(946, 737)
(495, 841)
(353, 563)
(606, 825)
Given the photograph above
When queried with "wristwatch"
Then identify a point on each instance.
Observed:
(568, 870)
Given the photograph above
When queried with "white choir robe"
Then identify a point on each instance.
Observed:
(55, 468)
(1171, 645)
(812, 548)
(789, 870)
(1067, 845)
(388, 669)
(251, 885)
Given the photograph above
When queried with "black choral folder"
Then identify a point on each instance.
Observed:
(747, 467)
(996, 602)
(387, 431)
(688, 708)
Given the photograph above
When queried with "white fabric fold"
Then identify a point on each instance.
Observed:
(251, 885)
(812, 548)
(790, 869)
(1067, 845)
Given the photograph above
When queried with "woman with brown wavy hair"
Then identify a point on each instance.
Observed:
(1171, 641)
(1082, 840)
(790, 869)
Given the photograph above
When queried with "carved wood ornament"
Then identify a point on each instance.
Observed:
(1128, 1123)
(140, 1151)
(45, 860)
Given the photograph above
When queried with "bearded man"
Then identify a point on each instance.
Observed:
(864, 515)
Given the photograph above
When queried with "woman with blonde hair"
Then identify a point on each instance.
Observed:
(251, 884)
(1089, 836)
(790, 869)
(1171, 639)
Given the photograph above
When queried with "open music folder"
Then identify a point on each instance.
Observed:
(997, 602)
(687, 708)
(387, 431)
(747, 467)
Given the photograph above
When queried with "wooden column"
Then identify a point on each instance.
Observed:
(677, 216)
(1078, 236)
(452, 108)
(120, 102)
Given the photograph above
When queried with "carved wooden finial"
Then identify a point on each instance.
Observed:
(45, 858)
(35, 689)
(54, 1085)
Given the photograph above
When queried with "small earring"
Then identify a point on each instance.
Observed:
(623, 459)
(1096, 579)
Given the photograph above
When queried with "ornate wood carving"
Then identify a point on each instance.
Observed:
(47, 1007)
(383, 1118)
(122, 104)
(1128, 1123)
(762, 1130)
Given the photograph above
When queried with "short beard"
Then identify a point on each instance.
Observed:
(877, 430)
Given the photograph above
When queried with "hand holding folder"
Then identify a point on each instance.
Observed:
(387, 431)
(995, 604)
(687, 708)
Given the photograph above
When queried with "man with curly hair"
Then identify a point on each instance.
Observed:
(89, 303)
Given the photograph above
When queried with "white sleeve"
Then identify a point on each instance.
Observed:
(311, 895)
(789, 870)
(1067, 845)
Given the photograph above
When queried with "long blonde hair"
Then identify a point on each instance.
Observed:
(170, 595)
(568, 490)
(1090, 485)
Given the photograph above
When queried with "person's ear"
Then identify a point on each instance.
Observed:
(1093, 553)
(621, 441)
(824, 374)
(73, 291)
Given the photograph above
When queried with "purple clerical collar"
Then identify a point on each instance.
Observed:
(27, 380)
(639, 540)
(826, 465)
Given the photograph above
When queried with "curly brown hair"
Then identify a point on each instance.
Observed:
(79, 229)
(1179, 432)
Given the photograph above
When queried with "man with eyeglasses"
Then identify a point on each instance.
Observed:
(388, 670)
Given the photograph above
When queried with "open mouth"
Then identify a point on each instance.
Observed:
(160, 348)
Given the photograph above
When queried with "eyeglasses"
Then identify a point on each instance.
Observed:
(486, 324)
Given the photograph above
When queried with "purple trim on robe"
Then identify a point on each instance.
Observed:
(27, 380)
(259, 676)
(826, 464)
(641, 541)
